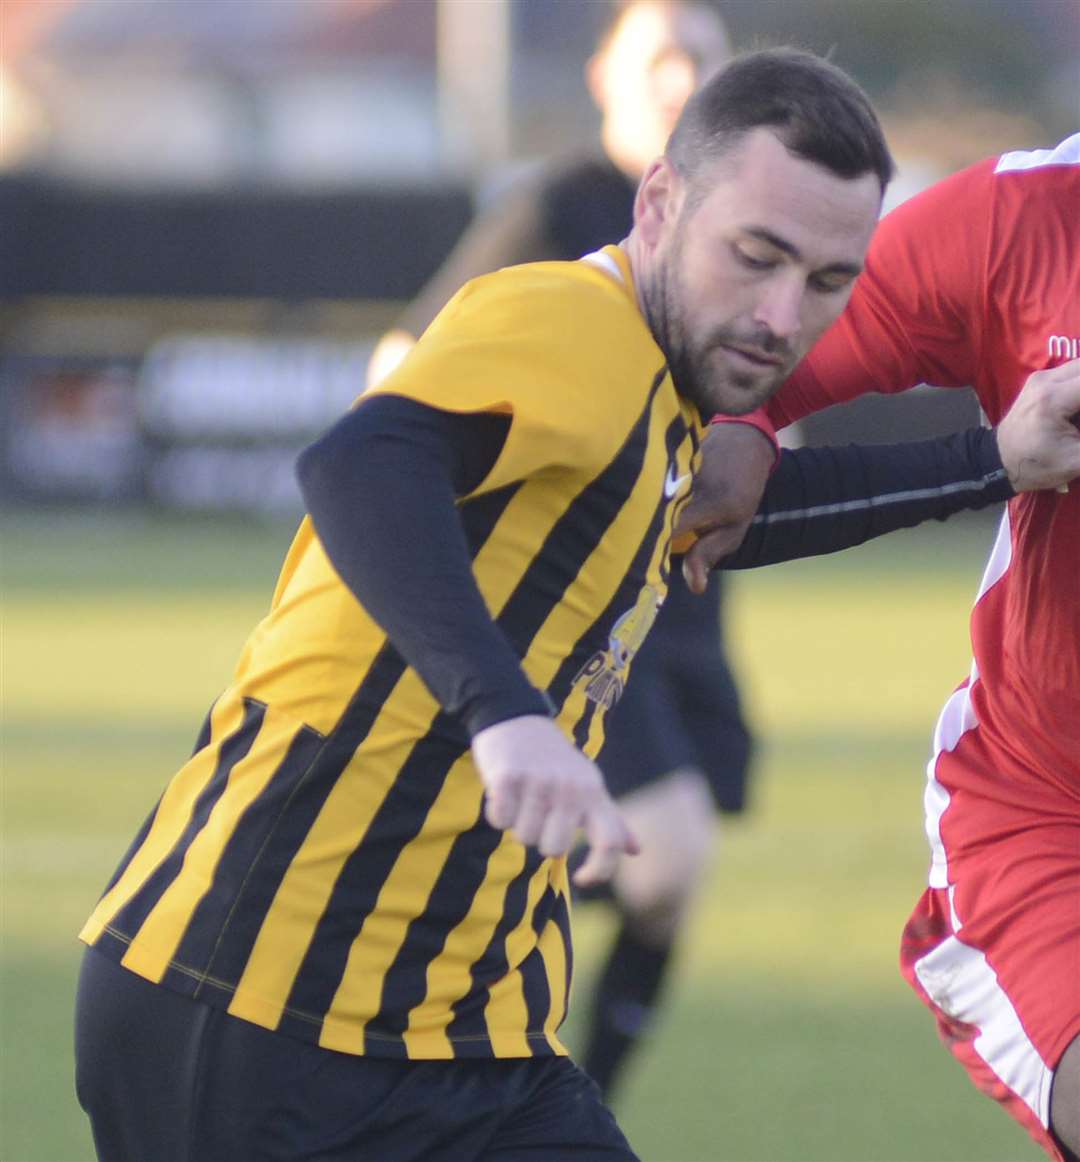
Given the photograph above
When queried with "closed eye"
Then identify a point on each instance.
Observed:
(831, 282)
(753, 261)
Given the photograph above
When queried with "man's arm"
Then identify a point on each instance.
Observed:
(822, 500)
(382, 488)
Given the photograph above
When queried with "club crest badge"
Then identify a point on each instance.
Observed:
(604, 674)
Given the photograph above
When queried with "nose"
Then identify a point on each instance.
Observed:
(780, 305)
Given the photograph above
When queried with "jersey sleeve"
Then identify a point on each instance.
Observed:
(916, 310)
(551, 348)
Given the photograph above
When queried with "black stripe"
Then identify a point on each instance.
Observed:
(481, 514)
(534, 981)
(561, 916)
(203, 739)
(233, 748)
(136, 843)
(405, 983)
(595, 638)
(206, 943)
(576, 534)
(296, 816)
(468, 1021)
(397, 821)
(201, 742)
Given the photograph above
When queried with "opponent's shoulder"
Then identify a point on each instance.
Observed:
(1042, 165)
(1036, 187)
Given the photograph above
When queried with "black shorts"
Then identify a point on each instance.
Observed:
(681, 707)
(165, 1078)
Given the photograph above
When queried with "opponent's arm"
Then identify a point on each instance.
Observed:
(1038, 441)
(820, 500)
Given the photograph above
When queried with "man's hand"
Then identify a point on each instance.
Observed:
(736, 460)
(1039, 440)
(541, 787)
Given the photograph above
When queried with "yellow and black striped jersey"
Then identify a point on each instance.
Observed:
(321, 864)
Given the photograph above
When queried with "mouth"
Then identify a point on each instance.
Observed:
(753, 357)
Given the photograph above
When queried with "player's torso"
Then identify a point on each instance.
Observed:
(1032, 299)
(1026, 624)
(321, 865)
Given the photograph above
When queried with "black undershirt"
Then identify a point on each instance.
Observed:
(382, 488)
(821, 500)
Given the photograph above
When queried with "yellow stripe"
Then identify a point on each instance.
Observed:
(517, 537)
(449, 975)
(305, 889)
(173, 815)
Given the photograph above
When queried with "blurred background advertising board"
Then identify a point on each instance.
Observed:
(180, 347)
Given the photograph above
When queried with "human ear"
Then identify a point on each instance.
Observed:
(656, 204)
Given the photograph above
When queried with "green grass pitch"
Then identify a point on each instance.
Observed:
(789, 1034)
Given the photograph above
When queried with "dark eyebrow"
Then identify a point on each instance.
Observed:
(782, 244)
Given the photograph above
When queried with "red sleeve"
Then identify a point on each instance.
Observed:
(915, 313)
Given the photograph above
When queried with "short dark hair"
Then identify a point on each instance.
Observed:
(816, 110)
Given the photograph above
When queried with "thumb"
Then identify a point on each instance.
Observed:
(695, 568)
(708, 550)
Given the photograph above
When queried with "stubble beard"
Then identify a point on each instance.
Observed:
(697, 378)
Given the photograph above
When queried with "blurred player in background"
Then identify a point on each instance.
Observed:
(343, 931)
(976, 282)
(679, 747)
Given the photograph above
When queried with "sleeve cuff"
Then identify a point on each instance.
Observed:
(505, 705)
(755, 419)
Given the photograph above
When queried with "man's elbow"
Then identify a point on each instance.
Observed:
(314, 470)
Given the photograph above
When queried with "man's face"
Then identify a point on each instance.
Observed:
(738, 285)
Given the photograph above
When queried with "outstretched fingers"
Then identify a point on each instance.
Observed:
(608, 838)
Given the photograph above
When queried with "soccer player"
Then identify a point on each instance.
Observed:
(677, 746)
(343, 931)
(977, 282)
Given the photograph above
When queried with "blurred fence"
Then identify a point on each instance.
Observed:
(179, 348)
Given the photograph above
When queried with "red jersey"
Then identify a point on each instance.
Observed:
(976, 282)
